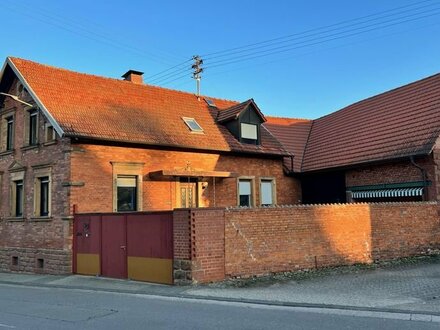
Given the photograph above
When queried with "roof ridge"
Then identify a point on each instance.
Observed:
(12, 58)
(289, 118)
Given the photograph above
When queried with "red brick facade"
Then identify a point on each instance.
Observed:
(32, 243)
(396, 172)
(91, 168)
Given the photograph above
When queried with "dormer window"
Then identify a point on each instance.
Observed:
(192, 125)
(249, 131)
(243, 121)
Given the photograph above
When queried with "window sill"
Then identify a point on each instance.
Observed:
(50, 143)
(15, 219)
(40, 219)
(7, 152)
(30, 147)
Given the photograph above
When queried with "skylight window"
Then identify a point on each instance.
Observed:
(193, 125)
(210, 102)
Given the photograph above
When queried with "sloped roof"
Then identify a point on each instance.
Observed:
(95, 107)
(293, 134)
(234, 111)
(399, 123)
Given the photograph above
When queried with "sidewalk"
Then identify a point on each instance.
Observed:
(411, 288)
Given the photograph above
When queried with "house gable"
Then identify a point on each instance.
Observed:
(7, 74)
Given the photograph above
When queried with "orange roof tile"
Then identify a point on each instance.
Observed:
(293, 134)
(399, 123)
(95, 107)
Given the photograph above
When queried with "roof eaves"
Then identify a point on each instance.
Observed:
(282, 152)
(40, 104)
(368, 161)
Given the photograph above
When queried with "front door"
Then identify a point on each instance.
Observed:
(188, 194)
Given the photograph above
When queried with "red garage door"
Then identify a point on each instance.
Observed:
(137, 246)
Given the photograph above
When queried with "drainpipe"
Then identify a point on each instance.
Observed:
(423, 172)
(291, 163)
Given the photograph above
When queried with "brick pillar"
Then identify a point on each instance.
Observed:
(208, 244)
(182, 246)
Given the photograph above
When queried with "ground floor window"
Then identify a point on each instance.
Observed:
(267, 192)
(19, 198)
(44, 196)
(245, 195)
(42, 191)
(126, 193)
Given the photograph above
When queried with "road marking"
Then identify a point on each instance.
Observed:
(7, 326)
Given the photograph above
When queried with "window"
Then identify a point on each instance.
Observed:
(249, 131)
(193, 125)
(42, 190)
(19, 198)
(267, 192)
(245, 195)
(33, 128)
(49, 133)
(126, 193)
(44, 196)
(9, 133)
(210, 102)
(127, 186)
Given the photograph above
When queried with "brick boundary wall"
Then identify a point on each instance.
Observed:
(242, 242)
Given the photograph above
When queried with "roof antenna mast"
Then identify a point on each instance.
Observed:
(197, 67)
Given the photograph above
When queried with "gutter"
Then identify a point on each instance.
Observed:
(424, 176)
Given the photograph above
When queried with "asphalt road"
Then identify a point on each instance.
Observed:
(54, 308)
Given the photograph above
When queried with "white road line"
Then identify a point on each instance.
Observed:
(7, 326)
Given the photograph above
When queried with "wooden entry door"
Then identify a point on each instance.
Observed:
(188, 194)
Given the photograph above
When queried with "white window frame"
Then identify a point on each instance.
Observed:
(249, 131)
(251, 179)
(274, 192)
(186, 121)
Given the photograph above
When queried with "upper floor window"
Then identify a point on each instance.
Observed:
(249, 133)
(193, 125)
(50, 133)
(33, 128)
(10, 133)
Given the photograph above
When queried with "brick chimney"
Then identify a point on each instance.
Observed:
(134, 76)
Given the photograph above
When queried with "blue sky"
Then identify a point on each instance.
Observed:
(109, 37)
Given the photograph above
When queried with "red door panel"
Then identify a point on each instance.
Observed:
(114, 246)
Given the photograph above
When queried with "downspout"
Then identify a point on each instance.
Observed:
(291, 163)
(424, 179)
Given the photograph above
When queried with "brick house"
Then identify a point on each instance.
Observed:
(384, 148)
(105, 145)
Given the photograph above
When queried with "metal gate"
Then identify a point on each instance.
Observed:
(137, 246)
